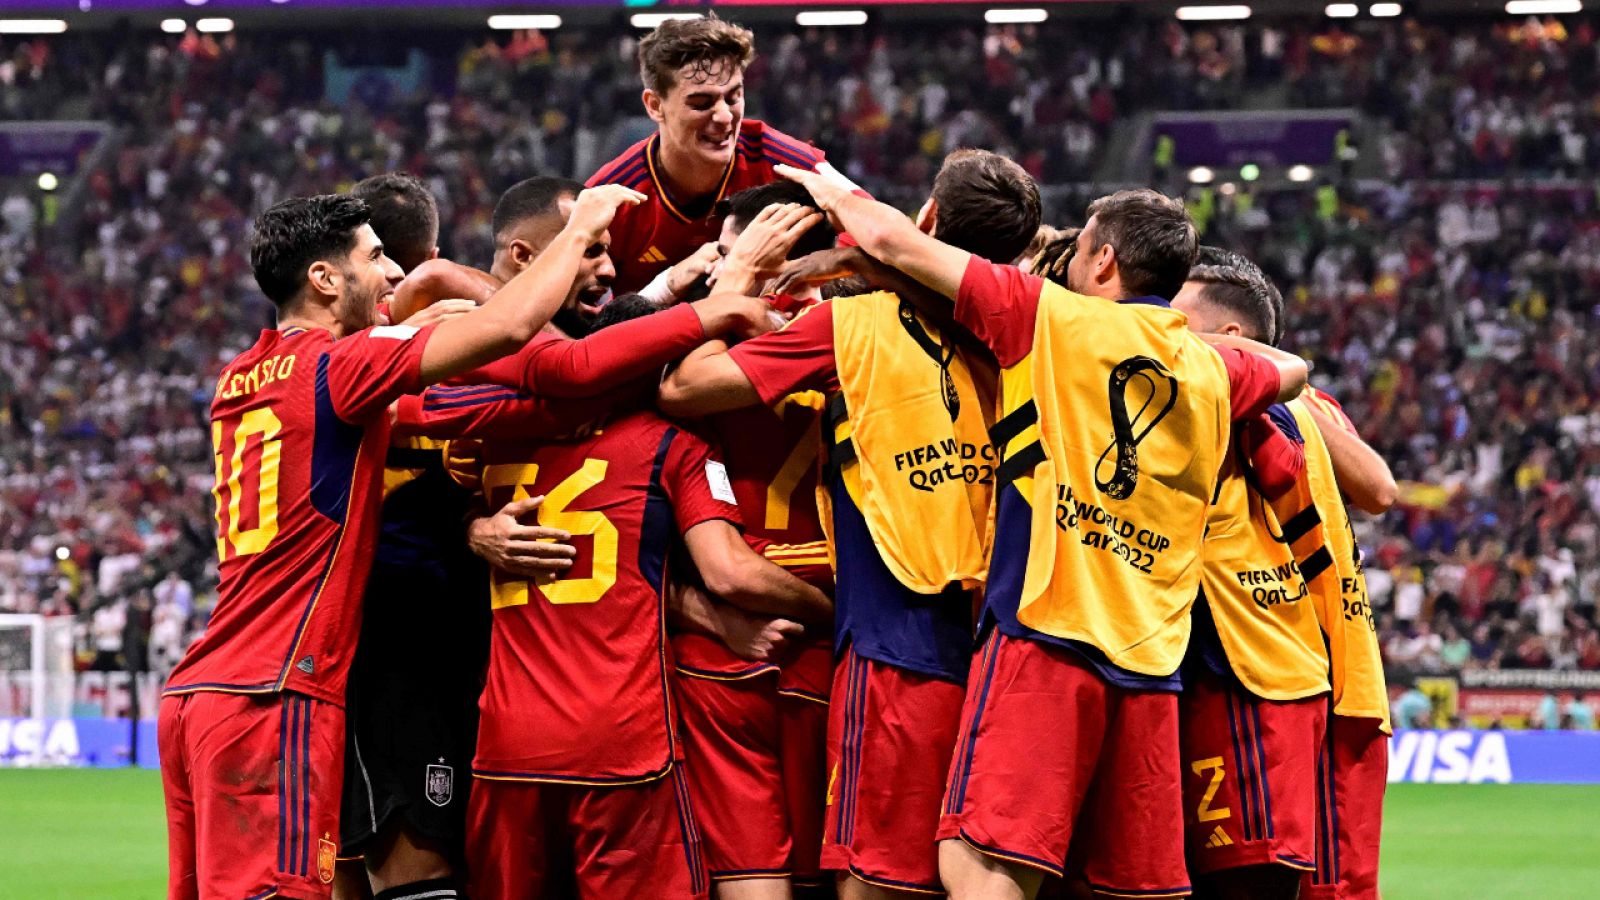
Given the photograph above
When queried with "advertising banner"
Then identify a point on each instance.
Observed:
(1495, 757)
(90, 743)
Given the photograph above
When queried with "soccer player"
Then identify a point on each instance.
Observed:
(704, 150)
(1253, 712)
(910, 467)
(411, 728)
(579, 764)
(756, 732)
(251, 727)
(527, 218)
(1114, 419)
(1351, 765)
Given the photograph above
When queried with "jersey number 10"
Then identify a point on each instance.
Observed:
(231, 476)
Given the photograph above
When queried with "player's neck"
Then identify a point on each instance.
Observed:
(314, 317)
(687, 174)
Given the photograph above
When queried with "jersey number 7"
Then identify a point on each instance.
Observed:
(553, 513)
(231, 476)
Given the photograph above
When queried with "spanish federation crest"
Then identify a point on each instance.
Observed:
(327, 855)
(440, 784)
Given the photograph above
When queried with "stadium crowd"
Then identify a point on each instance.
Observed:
(1454, 323)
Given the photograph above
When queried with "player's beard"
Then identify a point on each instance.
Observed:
(358, 307)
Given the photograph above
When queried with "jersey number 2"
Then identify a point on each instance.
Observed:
(231, 477)
(554, 513)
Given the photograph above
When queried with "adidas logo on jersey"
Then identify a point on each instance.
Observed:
(306, 666)
(653, 256)
(1219, 838)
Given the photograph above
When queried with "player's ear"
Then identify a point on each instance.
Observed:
(324, 277)
(1103, 267)
(928, 216)
(522, 254)
(652, 105)
(1233, 329)
(434, 253)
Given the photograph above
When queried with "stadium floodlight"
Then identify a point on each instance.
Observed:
(1201, 175)
(214, 26)
(48, 181)
(1249, 172)
(1014, 16)
(174, 26)
(1212, 13)
(1300, 173)
(831, 17)
(32, 26)
(1543, 7)
(651, 20)
(521, 22)
(1342, 10)
(1384, 10)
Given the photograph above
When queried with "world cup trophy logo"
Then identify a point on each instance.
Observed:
(1142, 392)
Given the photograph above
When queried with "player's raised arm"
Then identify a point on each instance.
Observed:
(517, 311)
(1362, 474)
(884, 233)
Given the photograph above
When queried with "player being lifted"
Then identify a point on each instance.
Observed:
(251, 727)
(1096, 549)
(705, 149)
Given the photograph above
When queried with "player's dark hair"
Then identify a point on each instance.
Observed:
(744, 206)
(297, 232)
(713, 47)
(404, 215)
(1052, 259)
(531, 198)
(623, 309)
(1238, 285)
(987, 205)
(1153, 237)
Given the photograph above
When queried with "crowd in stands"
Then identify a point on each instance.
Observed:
(1455, 320)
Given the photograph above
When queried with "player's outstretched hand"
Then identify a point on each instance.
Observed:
(595, 207)
(532, 551)
(443, 311)
(818, 268)
(828, 192)
(758, 638)
(759, 253)
(682, 276)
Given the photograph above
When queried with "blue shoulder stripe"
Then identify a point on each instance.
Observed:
(611, 173)
(794, 147)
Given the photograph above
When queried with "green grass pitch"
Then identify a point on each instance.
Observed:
(74, 833)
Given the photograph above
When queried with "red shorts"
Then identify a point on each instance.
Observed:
(803, 726)
(1352, 772)
(890, 735)
(536, 839)
(1249, 776)
(252, 783)
(1046, 746)
(731, 733)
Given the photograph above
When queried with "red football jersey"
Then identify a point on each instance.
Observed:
(664, 230)
(577, 683)
(773, 455)
(299, 431)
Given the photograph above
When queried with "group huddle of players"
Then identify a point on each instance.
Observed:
(735, 534)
